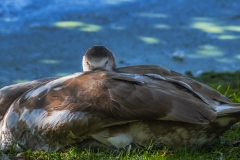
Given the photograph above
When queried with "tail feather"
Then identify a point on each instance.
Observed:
(225, 109)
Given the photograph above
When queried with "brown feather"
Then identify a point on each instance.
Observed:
(204, 92)
(9, 93)
(120, 97)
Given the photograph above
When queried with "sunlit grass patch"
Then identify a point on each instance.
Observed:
(225, 60)
(233, 28)
(238, 56)
(195, 56)
(118, 27)
(90, 28)
(85, 27)
(153, 15)
(210, 25)
(161, 26)
(149, 40)
(50, 61)
(228, 37)
(209, 50)
(68, 24)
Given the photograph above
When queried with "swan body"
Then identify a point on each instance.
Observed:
(115, 110)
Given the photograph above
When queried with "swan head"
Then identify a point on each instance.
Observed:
(98, 56)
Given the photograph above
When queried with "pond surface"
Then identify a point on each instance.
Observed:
(47, 38)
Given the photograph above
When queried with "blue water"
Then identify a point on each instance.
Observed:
(182, 35)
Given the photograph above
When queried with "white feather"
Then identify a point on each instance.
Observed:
(48, 86)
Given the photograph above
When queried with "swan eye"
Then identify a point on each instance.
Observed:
(88, 64)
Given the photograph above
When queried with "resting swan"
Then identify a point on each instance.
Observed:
(116, 107)
(100, 56)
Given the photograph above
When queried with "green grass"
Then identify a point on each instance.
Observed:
(226, 147)
(227, 83)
